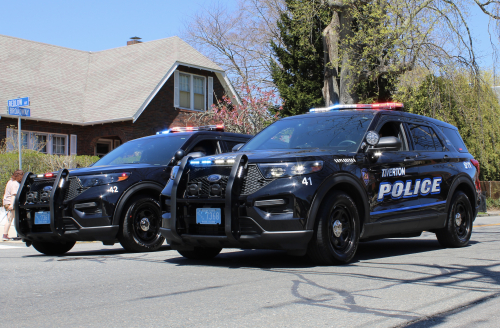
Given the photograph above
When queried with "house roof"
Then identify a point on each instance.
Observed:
(80, 87)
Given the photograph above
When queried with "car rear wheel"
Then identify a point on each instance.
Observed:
(201, 253)
(458, 227)
(336, 236)
(53, 248)
(140, 231)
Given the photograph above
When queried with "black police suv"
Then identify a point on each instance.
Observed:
(116, 198)
(321, 182)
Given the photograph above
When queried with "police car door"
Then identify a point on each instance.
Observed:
(394, 205)
(435, 161)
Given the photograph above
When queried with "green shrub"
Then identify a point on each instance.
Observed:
(492, 204)
(36, 162)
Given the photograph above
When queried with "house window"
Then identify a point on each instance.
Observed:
(192, 93)
(59, 145)
(40, 143)
(47, 143)
(199, 94)
(185, 90)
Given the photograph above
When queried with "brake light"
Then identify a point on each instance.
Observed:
(476, 165)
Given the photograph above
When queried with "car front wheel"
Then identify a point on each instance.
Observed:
(336, 236)
(141, 226)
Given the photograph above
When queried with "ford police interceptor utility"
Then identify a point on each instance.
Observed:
(116, 199)
(321, 182)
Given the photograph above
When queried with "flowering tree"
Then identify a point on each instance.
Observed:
(257, 110)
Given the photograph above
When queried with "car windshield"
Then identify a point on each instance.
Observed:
(341, 132)
(155, 151)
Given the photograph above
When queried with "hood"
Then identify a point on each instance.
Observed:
(280, 155)
(102, 169)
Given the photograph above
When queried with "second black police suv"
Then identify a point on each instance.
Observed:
(319, 183)
(116, 199)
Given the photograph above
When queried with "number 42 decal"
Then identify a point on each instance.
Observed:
(113, 189)
(305, 181)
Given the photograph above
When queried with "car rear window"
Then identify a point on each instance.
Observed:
(456, 140)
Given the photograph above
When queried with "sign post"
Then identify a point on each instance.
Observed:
(14, 108)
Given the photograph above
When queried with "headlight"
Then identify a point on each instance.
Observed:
(280, 170)
(173, 173)
(88, 181)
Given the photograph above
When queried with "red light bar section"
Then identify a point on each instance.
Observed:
(48, 175)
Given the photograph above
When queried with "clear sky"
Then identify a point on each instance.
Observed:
(94, 25)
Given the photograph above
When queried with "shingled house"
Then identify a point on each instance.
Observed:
(88, 103)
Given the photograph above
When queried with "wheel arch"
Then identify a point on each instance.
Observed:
(152, 189)
(345, 183)
(465, 185)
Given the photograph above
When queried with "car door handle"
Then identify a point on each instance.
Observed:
(409, 159)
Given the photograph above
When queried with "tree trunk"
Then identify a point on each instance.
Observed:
(339, 79)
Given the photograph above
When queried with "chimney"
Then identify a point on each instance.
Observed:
(134, 40)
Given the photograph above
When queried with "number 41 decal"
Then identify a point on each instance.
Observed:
(113, 189)
(305, 182)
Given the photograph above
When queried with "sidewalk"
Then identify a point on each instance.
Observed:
(490, 213)
(12, 230)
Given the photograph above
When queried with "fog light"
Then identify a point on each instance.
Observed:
(45, 196)
(31, 197)
(194, 189)
(215, 190)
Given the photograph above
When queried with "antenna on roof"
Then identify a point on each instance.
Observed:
(134, 40)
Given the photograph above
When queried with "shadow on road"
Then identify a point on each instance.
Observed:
(96, 252)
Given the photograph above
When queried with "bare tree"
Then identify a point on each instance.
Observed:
(239, 40)
(369, 39)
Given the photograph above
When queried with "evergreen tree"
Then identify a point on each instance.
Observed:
(300, 78)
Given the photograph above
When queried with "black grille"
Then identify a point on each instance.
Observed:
(199, 172)
(253, 181)
(39, 185)
(205, 185)
(69, 224)
(75, 188)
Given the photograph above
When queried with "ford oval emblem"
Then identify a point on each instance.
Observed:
(214, 178)
(47, 188)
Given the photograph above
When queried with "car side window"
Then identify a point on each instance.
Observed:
(424, 138)
(207, 147)
(231, 143)
(394, 129)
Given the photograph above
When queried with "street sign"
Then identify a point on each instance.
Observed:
(18, 102)
(19, 111)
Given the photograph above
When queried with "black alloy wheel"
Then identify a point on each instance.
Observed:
(141, 226)
(458, 229)
(340, 230)
(336, 236)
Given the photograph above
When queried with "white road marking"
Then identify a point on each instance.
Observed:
(2, 246)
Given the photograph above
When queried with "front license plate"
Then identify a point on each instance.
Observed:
(42, 218)
(208, 215)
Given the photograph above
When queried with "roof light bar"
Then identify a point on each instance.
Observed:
(381, 106)
(218, 127)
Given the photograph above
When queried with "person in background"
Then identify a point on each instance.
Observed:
(8, 199)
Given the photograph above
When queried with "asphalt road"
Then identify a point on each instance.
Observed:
(391, 283)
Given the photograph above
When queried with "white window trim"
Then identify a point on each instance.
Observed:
(106, 141)
(191, 91)
(31, 138)
(65, 136)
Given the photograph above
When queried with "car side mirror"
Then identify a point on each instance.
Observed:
(237, 147)
(179, 154)
(387, 144)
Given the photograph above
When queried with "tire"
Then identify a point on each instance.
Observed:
(458, 227)
(336, 235)
(53, 248)
(201, 253)
(140, 231)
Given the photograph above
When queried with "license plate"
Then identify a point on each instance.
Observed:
(42, 218)
(208, 215)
